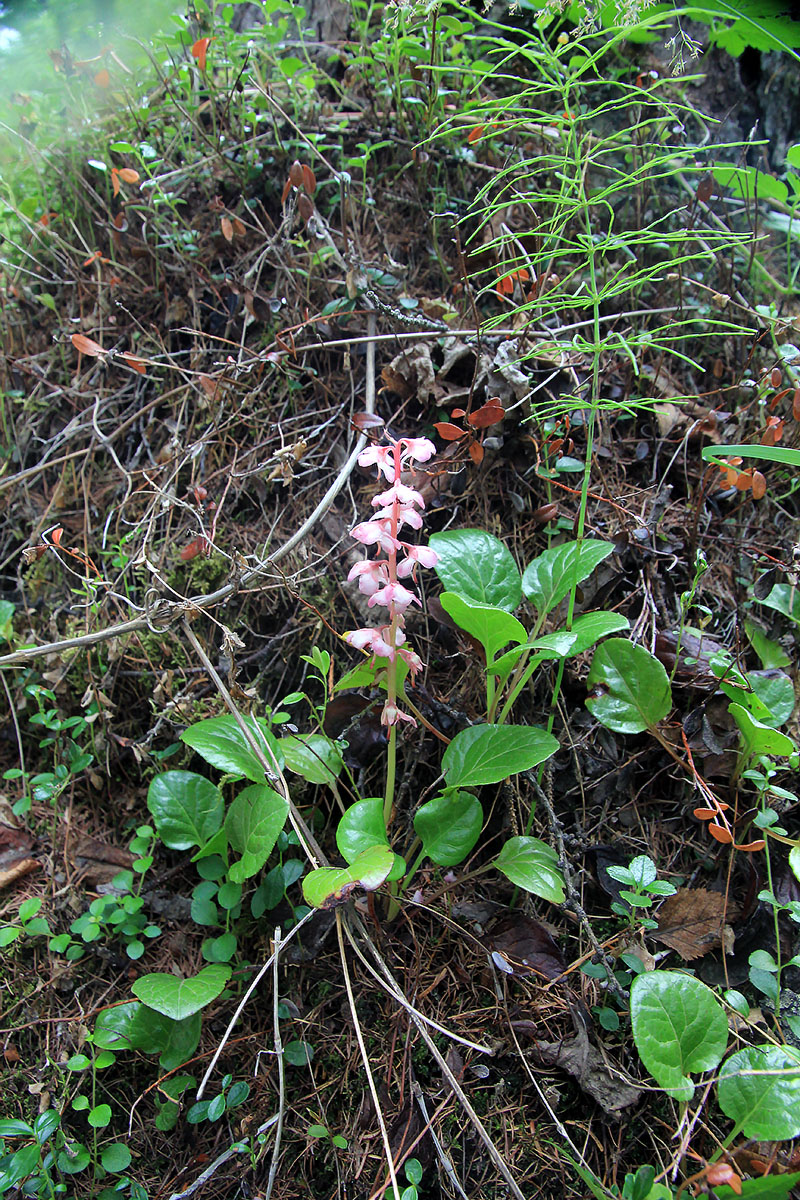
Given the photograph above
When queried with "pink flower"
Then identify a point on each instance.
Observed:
(405, 516)
(392, 715)
(393, 596)
(401, 493)
(381, 457)
(377, 531)
(372, 640)
(412, 659)
(423, 556)
(418, 449)
(370, 575)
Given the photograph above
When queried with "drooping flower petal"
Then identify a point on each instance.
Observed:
(399, 492)
(415, 556)
(418, 449)
(405, 516)
(370, 575)
(392, 715)
(381, 457)
(393, 596)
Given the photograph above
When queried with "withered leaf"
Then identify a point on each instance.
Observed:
(525, 947)
(691, 922)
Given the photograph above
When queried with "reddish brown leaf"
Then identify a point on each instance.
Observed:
(309, 180)
(135, 364)
(458, 413)
(545, 513)
(238, 227)
(721, 1173)
(198, 546)
(490, 414)
(705, 814)
(796, 404)
(227, 228)
(721, 834)
(776, 378)
(759, 485)
(102, 78)
(475, 134)
(296, 174)
(450, 433)
(200, 51)
(128, 175)
(85, 345)
(705, 189)
(56, 536)
(751, 847)
(114, 184)
(305, 206)
(363, 421)
(476, 453)
(287, 187)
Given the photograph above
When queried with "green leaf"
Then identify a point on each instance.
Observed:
(772, 655)
(314, 756)
(633, 688)
(6, 616)
(759, 1089)
(478, 566)
(181, 998)
(221, 742)
(485, 754)
(362, 826)
(116, 1158)
(749, 182)
(134, 1026)
(532, 865)
(449, 826)
(768, 1187)
(186, 808)
(99, 1116)
(328, 887)
(298, 1053)
(794, 861)
(493, 627)
(11, 1127)
(679, 1028)
(785, 599)
(776, 691)
(254, 820)
(759, 738)
(550, 577)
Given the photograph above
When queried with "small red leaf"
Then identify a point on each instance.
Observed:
(759, 485)
(705, 189)
(102, 78)
(85, 345)
(309, 180)
(56, 536)
(128, 175)
(135, 364)
(114, 182)
(751, 846)
(458, 412)
(227, 228)
(198, 546)
(705, 814)
(450, 433)
(490, 414)
(476, 453)
(200, 51)
(720, 834)
(476, 134)
(296, 174)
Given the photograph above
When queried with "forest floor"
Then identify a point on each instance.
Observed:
(209, 302)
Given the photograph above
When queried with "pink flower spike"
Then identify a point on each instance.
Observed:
(393, 596)
(392, 715)
(400, 492)
(419, 449)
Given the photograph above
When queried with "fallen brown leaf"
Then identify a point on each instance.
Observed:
(692, 922)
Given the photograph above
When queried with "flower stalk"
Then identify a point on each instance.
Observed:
(388, 579)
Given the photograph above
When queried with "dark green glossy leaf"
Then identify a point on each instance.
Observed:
(221, 742)
(186, 808)
(485, 754)
(550, 577)
(478, 566)
(449, 826)
(632, 691)
(532, 865)
(679, 1028)
(254, 820)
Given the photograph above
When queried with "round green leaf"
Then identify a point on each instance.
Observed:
(679, 1028)
(486, 754)
(115, 1158)
(759, 1089)
(221, 742)
(328, 887)
(550, 577)
(532, 865)
(315, 757)
(449, 826)
(220, 949)
(180, 998)
(254, 820)
(187, 809)
(362, 826)
(493, 627)
(298, 1054)
(73, 1158)
(632, 689)
(478, 566)
(590, 627)
(100, 1116)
